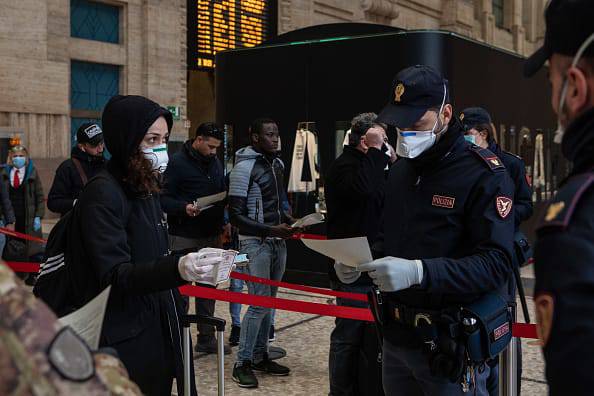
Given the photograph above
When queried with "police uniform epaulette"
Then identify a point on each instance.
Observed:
(562, 206)
(487, 156)
(512, 154)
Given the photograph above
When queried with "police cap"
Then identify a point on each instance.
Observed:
(474, 116)
(414, 90)
(568, 25)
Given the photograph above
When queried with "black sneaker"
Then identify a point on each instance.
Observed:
(271, 367)
(244, 376)
(210, 346)
(234, 336)
(271, 334)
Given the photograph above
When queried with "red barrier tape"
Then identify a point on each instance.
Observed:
(23, 267)
(521, 330)
(278, 303)
(524, 330)
(18, 235)
(309, 236)
(326, 292)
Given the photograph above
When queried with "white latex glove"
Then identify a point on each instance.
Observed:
(198, 267)
(345, 273)
(392, 273)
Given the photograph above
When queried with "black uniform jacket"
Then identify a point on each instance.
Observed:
(354, 188)
(522, 190)
(68, 183)
(189, 176)
(452, 208)
(564, 269)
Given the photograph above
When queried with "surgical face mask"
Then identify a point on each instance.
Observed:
(411, 144)
(19, 162)
(560, 128)
(470, 138)
(158, 157)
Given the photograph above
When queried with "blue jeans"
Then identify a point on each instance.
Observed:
(236, 285)
(267, 260)
(406, 371)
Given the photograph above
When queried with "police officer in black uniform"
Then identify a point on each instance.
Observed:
(564, 250)
(479, 130)
(447, 240)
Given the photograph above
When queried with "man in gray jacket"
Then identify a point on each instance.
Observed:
(255, 198)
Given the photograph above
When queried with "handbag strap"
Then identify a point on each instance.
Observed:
(80, 170)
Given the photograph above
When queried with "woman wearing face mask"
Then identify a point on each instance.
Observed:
(124, 235)
(26, 195)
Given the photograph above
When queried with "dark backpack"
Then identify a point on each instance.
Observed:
(53, 284)
(56, 284)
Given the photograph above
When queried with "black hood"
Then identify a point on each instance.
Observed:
(125, 121)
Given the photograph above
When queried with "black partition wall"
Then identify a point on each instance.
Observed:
(327, 79)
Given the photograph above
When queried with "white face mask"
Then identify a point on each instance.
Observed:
(560, 128)
(411, 144)
(158, 157)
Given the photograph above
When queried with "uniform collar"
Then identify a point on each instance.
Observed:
(578, 142)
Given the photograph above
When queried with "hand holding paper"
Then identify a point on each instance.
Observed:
(349, 251)
(309, 220)
(203, 203)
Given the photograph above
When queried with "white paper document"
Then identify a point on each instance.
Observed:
(202, 202)
(221, 271)
(349, 251)
(88, 320)
(309, 220)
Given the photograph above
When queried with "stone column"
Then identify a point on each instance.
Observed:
(517, 27)
(379, 11)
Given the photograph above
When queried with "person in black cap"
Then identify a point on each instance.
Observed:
(118, 224)
(86, 160)
(479, 130)
(564, 249)
(447, 239)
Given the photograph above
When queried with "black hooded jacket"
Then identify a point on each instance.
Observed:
(68, 182)
(124, 235)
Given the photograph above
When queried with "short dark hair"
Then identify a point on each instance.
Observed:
(489, 129)
(210, 129)
(360, 124)
(257, 126)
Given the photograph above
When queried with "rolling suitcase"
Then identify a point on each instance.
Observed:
(219, 325)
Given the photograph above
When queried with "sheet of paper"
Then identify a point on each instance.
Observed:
(309, 220)
(221, 272)
(88, 320)
(209, 200)
(349, 251)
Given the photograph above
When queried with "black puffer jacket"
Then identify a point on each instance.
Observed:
(124, 237)
(255, 193)
(68, 182)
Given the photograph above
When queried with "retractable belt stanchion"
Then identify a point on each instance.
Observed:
(508, 368)
(219, 325)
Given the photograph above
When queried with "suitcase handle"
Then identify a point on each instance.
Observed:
(217, 323)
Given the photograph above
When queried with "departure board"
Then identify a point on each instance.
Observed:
(218, 25)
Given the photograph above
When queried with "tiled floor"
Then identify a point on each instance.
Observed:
(306, 339)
